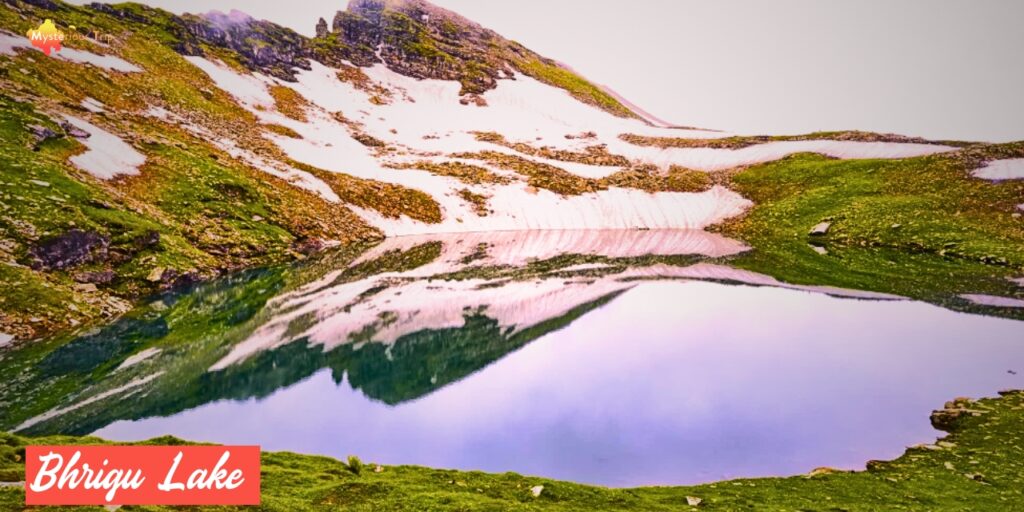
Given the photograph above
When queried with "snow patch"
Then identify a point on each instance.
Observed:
(106, 155)
(135, 359)
(516, 248)
(299, 178)
(92, 105)
(715, 159)
(712, 272)
(514, 208)
(583, 267)
(1009, 169)
(53, 413)
(994, 300)
(5, 339)
(249, 90)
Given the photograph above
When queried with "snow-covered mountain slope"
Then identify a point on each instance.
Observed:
(155, 149)
(557, 151)
(422, 121)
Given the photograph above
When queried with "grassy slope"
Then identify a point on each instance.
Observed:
(212, 212)
(743, 141)
(580, 88)
(979, 466)
(920, 227)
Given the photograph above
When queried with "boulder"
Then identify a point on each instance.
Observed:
(820, 229)
(146, 240)
(102, 277)
(74, 131)
(42, 133)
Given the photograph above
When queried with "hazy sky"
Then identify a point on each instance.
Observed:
(935, 68)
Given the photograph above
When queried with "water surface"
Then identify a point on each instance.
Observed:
(613, 358)
(669, 383)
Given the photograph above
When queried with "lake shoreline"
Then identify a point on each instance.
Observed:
(978, 464)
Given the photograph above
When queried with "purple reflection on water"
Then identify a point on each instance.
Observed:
(671, 383)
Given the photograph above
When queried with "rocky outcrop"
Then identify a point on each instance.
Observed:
(947, 418)
(71, 249)
(418, 39)
(412, 37)
(260, 45)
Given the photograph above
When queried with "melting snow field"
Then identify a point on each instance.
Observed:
(107, 155)
(425, 121)
(1009, 169)
(711, 159)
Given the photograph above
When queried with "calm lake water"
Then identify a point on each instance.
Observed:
(606, 369)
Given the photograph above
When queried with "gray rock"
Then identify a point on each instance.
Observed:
(74, 131)
(146, 240)
(821, 229)
(156, 275)
(103, 277)
(42, 133)
(73, 248)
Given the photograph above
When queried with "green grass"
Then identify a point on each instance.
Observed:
(920, 227)
(581, 89)
(978, 466)
(743, 141)
(211, 211)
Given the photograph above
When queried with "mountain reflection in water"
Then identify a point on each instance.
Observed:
(564, 354)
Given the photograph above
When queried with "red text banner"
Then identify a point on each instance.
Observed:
(142, 475)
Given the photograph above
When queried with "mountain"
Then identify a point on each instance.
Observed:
(154, 150)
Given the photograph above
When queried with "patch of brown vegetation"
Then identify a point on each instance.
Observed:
(379, 95)
(388, 199)
(647, 178)
(466, 173)
(282, 130)
(581, 135)
(650, 179)
(473, 99)
(368, 140)
(289, 102)
(538, 174)
(592, 155)
(477, 201)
